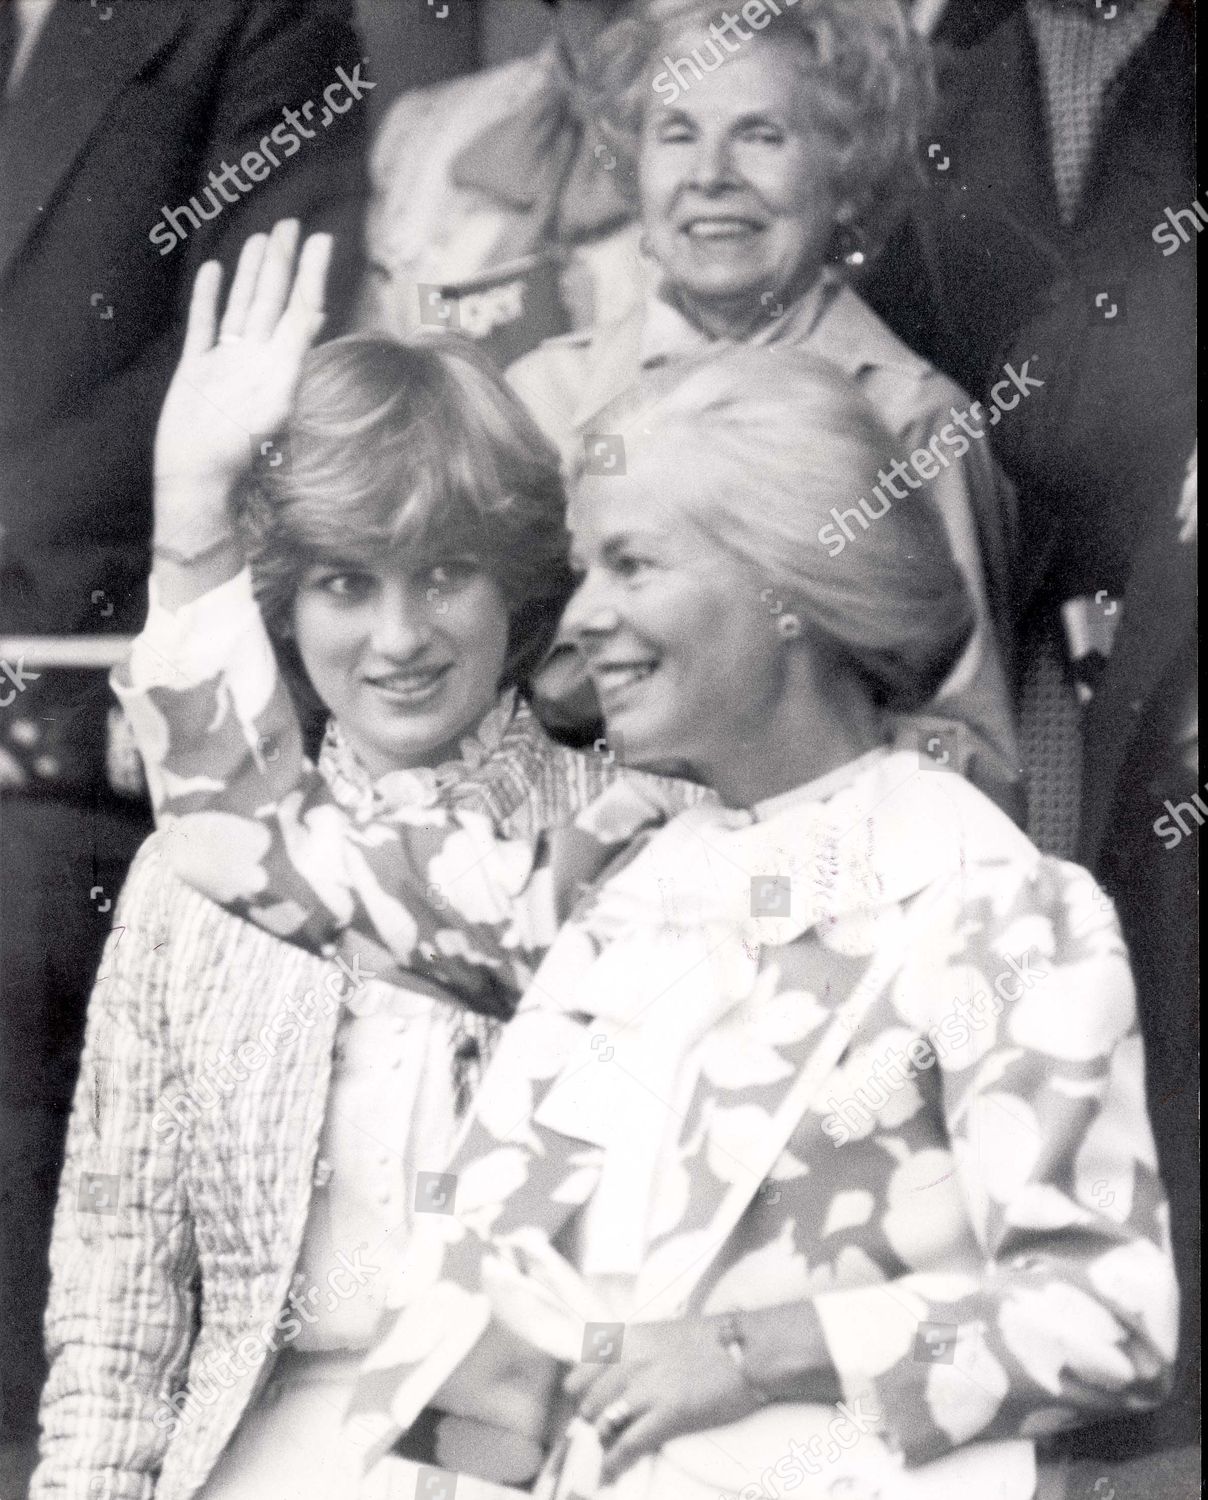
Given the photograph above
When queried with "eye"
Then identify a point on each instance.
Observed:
(631, 566)
(341, 583)
(673, 131)
(762, 132)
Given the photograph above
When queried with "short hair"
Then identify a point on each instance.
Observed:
(868, 81)
(417, 451)
(770, 443)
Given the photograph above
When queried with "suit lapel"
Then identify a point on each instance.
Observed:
(79, 67)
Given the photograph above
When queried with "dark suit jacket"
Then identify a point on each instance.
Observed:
(988, 273)
(125, 108)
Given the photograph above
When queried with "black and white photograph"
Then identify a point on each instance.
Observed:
(599, 750)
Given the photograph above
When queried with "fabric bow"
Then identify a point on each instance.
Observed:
(546, 157)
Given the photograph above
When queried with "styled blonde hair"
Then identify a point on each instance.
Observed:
(868, 88)
(764, 445)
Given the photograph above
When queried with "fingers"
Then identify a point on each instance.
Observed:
(274, 281)
(243, 288)
(308, 303)
(646, 1434)
(203, 309)
(597, 1392)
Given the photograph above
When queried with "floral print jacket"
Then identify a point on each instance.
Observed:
(444, 873)
(866, 1046)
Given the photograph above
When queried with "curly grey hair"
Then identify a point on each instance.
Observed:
(868, 89)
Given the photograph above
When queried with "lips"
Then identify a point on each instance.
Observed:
(615, 677)
(721, 227)
(409, 689)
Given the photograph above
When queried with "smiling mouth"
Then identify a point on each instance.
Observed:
(410, 688)
(721, 228)
(612, 678)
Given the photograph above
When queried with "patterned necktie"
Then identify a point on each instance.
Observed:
(1083, 48)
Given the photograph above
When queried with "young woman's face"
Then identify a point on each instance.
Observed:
(737, 202)
(677, 635)
(407, 661)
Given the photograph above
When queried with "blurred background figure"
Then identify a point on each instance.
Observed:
(495, 205)
(136, 141)
(1061, 164)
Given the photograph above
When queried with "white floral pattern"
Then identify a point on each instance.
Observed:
(978, 1198)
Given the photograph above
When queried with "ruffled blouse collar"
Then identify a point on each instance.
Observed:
(365, 796)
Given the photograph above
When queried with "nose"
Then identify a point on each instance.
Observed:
(713, 167)
(591, 613)
(403, 620)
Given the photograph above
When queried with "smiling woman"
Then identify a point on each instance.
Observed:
(407, 565)
(408, 550)
(761, 185)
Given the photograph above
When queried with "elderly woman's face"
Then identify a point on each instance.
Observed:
(407, 661)
(679, 643)
(737, 201)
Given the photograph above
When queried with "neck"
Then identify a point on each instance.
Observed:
(738, 318)
(810, 736)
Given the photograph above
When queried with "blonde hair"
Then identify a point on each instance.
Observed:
(769, 444)
(419, 451)
(867, 82)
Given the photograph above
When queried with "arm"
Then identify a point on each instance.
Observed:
(253, 824)
(1071, 1315)
(119, 1323)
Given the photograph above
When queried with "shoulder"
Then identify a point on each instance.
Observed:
(566, 351)
(902, 383)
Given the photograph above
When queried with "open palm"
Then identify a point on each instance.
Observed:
(236, 381)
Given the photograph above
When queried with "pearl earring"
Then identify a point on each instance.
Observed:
(788, 627)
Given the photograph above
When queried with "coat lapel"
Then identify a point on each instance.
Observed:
(79, 67)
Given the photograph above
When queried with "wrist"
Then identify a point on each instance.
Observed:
(783, 1351)
(734, 1337)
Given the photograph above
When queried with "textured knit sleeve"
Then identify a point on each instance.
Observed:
(1071, 1313)
(120, 1319)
